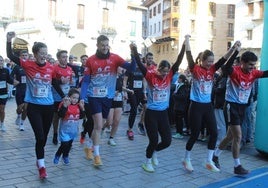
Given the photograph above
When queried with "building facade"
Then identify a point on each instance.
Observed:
(209, 22)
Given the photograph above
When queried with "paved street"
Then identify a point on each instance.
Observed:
(121, 164)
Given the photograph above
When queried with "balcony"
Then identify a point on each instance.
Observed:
(171, 12)
(171, 32)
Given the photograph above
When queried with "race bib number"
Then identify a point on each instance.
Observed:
(243, 95)
(206, 87)
(65, 88)
(137, 84)
(23, 79)
(160, 96)
(100, 91)
(3, 84)
(41, 91)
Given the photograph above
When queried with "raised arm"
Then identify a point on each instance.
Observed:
(9, 51)
(188, 52)
(135, 54)
(176, 65)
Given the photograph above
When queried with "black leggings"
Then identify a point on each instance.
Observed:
(40, 118)
(88, 123)
(197, 113)
(64, 149)
(134, 101)
(157, 122)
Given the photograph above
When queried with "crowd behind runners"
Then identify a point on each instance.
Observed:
(208, 96)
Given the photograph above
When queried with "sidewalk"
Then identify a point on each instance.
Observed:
(121, 163)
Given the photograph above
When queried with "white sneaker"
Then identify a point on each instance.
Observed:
(111, 142)
(17, 121)
(3, 128)
(188, 165)
(148, 167)
(155, 160)
(21, 127)
(210, 166)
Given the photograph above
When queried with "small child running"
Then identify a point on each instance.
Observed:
(70, 111)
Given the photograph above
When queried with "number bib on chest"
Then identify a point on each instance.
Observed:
(205, 87)
(23, 79)
(40, 91)
(243, 95)
(137, 84)
(100, 91)
(160, 96)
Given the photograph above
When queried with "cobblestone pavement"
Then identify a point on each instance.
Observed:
(122, 163)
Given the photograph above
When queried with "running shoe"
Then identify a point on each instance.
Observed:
(210, 166)
(88, 152)
(239, 170)
(111, 142)
(3, 128)
(42, 173)
(215, 159)
(97, 161)
(141, 129)
(56, 159)
(130, 135)
(188, 165)
(66, 160)
(21, 127)
(177, 136)
(148, 167)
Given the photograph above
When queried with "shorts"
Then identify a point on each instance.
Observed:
(117, 104)
(100, 105)
(234, 113)
(20, 95)
(3, 101)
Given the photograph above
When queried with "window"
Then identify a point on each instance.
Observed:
(231, 11)
(52, 9)
(249, 34)
(80, 16)
(132, 28)
(212, 9)
(163, 48)
(154, 28)
(229, 45)
(176, 3)
(159, 8)
(151, 13)
(193, 7)
(250, 9)
(168, 47)
(154, 11)
(159, 27)
(230, 30)
(151, 29)
(211, 28)
(192, 26)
